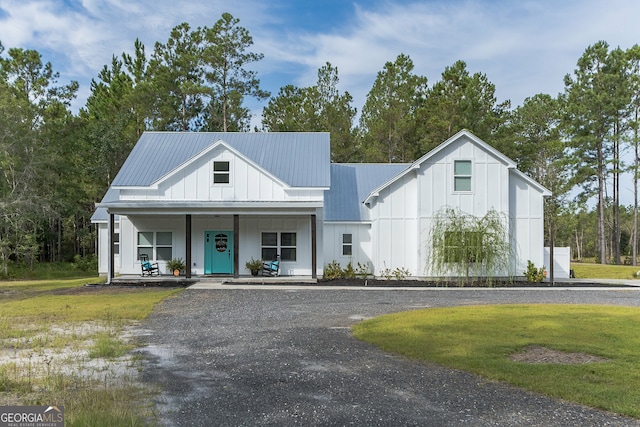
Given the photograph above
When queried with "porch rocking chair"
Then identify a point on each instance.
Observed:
(271, 268)
(148, 268)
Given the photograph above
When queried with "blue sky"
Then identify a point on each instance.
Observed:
(524, 47)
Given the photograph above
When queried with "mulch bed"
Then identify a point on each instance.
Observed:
(392, 283)
(382, 283)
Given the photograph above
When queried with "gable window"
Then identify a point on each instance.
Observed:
(288, 246)
(462, 175)
(347, 245)
(279, 243)
(221, 173)
(157, 245)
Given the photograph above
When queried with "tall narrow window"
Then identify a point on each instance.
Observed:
(116, 243)
(288, 246)
(221, 173)
(269, 246)
(164, 248)
(347, 245)
(462, 175)
(145, 244)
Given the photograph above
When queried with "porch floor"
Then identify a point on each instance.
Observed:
(171, 281)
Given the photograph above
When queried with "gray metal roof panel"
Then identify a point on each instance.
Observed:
(300, 159)
(351, 183)
(101, 215)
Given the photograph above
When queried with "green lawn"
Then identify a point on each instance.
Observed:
(481, 339)
(600, 271)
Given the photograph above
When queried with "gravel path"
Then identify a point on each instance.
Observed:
(269, 357)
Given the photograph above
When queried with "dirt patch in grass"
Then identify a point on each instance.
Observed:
(36, 358)
(539, 354)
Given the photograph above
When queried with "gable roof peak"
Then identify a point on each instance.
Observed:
(451, 140)
(299, 159)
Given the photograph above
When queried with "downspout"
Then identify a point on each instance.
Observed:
(110, 249)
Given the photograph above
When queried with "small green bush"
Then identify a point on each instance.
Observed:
(401, 273)
(533, 274)
(398, 273)
(349, 272)
(333, 270)
(362, 271)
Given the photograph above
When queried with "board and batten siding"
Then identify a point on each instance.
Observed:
(527, 223)
(403, 213)
(394, 227)
(361, 243)
(489, 181)
(129, 228)
(194, 182)
(489, 189)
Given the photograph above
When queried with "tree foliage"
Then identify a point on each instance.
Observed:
(319, 108)
(35, 128)
(596, 99)
(388, 123)
(460, 101)
(469, 247)
(55, 164)
(225, 58)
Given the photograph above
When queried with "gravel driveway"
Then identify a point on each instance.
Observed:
(254, 357)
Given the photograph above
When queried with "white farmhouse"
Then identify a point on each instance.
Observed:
(219, 199)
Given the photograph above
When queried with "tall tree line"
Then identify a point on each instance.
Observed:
(55, 164)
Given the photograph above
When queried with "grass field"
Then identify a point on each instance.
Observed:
(600, 271)
(62, 344)
(482, 340)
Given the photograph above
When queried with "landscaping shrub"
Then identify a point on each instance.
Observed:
(533, 274)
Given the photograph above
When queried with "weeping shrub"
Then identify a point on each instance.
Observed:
(469, 247)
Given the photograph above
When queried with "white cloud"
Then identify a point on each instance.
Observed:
(523, 47)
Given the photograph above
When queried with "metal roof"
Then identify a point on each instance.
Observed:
(351, 183)
(300, 159)
(101, 215)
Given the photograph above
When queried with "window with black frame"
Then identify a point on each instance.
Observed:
(158, 245)
(347, 244)
(221, 172)
(279, 243)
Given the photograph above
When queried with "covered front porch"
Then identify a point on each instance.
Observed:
(214, 243)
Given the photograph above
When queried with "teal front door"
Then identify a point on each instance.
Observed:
(218, 252)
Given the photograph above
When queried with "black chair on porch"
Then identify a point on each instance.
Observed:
(271, 268)
(148, 268)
